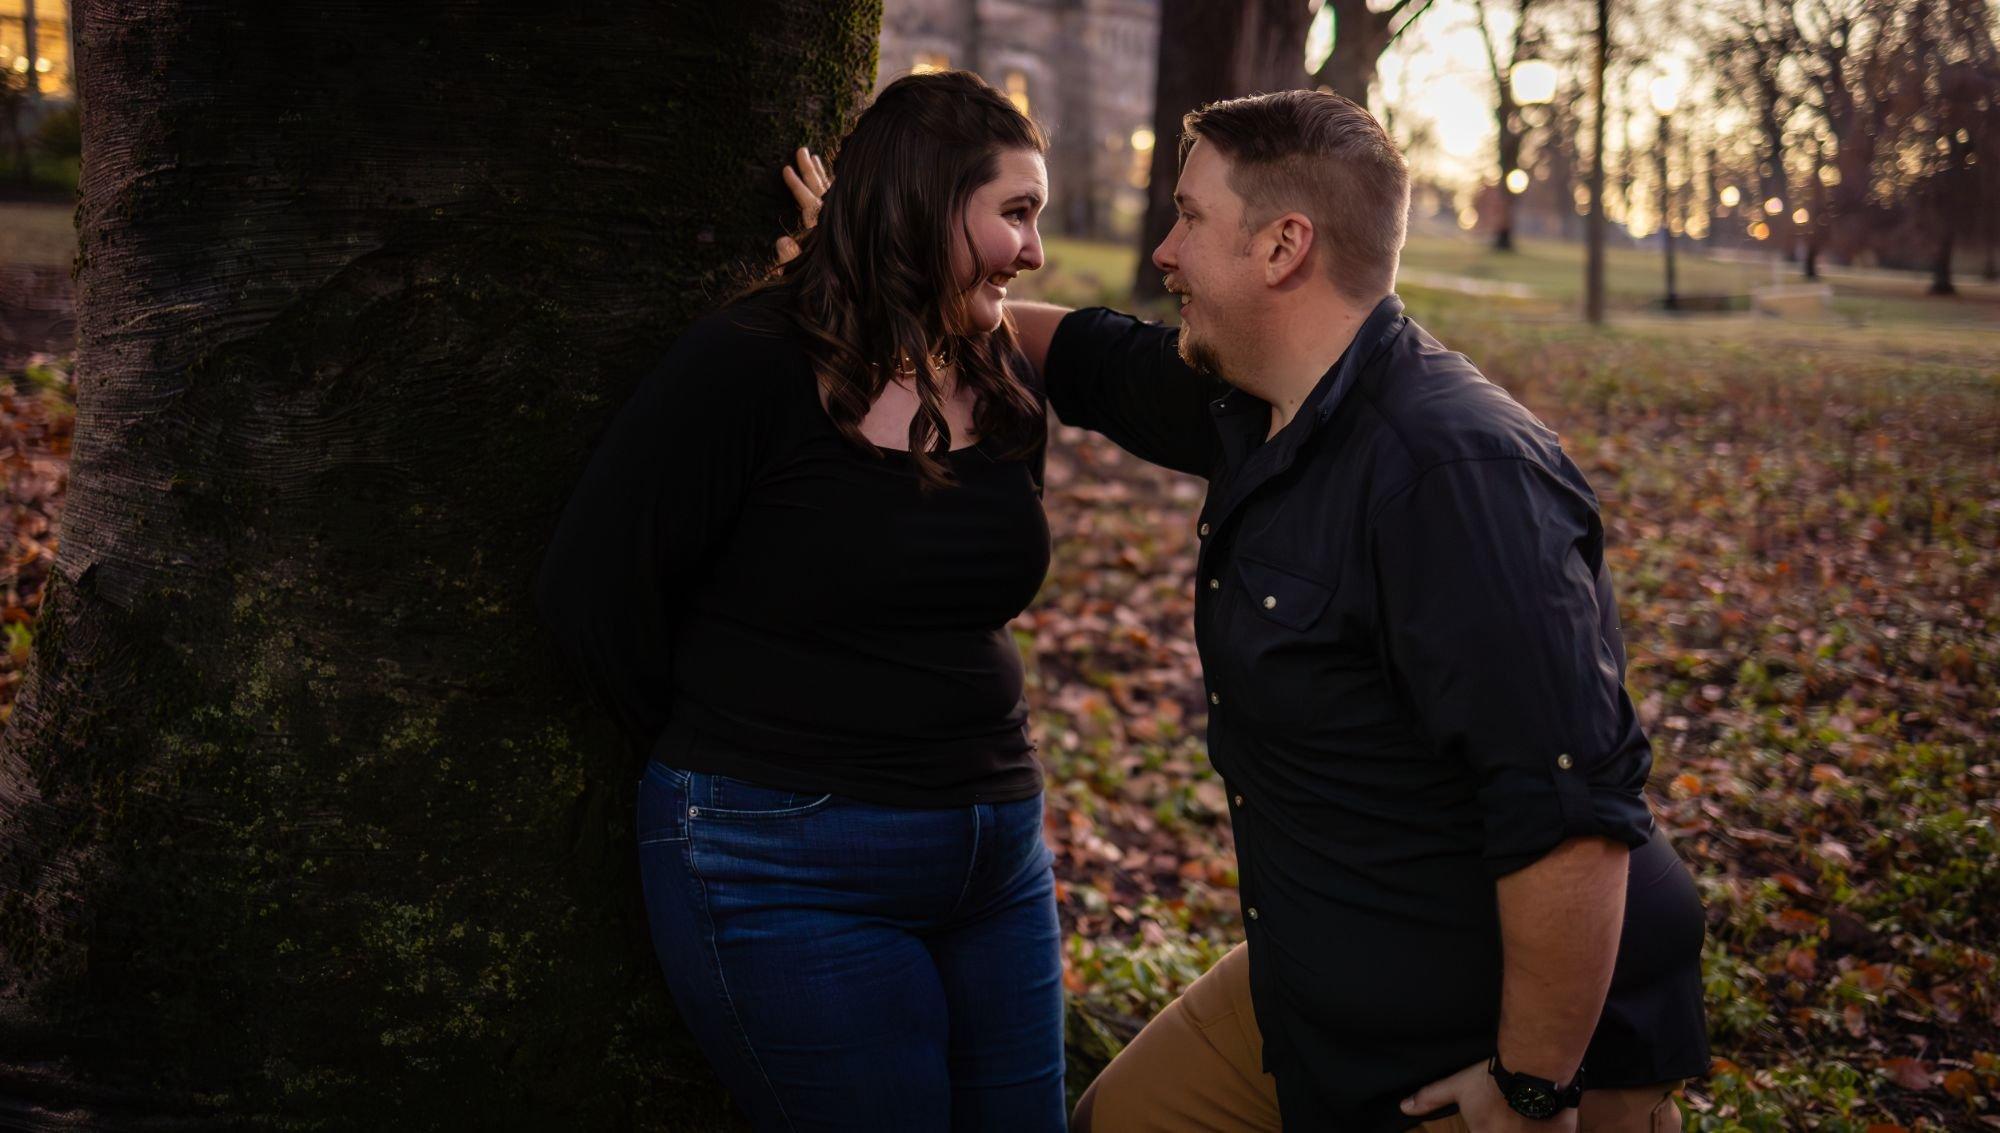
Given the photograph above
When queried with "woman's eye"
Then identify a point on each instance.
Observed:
(1017, 214)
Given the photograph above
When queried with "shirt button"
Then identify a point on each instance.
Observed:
(1270, 602)
(1239, 800)
(1204, 530)
(1215, 584)
(1215, 698)
(1564, 761)
(1253, 912)
(694, 812)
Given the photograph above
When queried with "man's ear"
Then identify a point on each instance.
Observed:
(1291, 245)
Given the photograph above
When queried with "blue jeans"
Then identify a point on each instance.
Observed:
(851, 966)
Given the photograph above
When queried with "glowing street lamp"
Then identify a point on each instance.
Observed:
(1534, 82)
(1731, 196)
(1665, 92)
(1517, 181)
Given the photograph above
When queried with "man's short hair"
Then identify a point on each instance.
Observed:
(1322, 155)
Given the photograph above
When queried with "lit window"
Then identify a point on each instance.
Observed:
(1017, 90)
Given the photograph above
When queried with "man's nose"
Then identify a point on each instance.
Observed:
(1166, 257)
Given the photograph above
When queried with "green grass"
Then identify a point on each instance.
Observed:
(1632, 278)
(1082, 272)
(36, 234)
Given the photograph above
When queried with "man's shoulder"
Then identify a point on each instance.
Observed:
(1440, 409)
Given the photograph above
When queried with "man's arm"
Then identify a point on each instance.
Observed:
(1559, 923)
(1489, 576)
(1035, 324)
(1121, 376)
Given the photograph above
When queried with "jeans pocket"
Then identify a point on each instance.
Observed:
(723, 798)
(662, 805)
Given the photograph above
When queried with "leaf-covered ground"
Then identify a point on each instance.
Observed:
(37, 410)
(1805, 529)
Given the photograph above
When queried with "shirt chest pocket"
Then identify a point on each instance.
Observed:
(1281, 673)
(1281, 596)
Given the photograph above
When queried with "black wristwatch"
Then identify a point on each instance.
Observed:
(1534, 1097)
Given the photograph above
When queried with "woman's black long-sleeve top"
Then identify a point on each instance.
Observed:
(732, 573)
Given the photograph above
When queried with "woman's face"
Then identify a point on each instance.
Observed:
(1000, 216)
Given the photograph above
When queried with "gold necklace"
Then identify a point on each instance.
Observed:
(939, 361)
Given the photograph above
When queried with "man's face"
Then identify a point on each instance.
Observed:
(1208, 261)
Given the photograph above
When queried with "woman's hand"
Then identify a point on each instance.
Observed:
(808, 180)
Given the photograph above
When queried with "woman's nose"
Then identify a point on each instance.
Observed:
(1031, 253)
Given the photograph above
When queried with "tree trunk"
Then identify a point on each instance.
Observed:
(1360, 36)
(31, 32)
(1941, 283)
(1593, 260)
(1210, 50)
(1771, 117)
(1507, 121)
(1510, 126)
(300, 825)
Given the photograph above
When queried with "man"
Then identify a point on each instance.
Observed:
(1457, 908)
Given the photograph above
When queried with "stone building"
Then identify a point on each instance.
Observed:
(1083, 68)
(45, 71)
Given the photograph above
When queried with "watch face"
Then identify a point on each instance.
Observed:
(1533, 1101)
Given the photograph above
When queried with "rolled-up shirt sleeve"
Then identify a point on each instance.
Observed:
(1123, 377)
(1500, 627)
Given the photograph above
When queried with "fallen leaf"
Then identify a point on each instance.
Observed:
(1910, 1073)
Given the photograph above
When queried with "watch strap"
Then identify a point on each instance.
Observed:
(1535, 1097)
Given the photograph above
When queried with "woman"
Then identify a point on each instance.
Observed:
(788, 572)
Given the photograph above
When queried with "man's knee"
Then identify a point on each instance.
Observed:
(1667, 1116)
(1079, 1121)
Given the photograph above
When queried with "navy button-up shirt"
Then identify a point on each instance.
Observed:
(1415, 680)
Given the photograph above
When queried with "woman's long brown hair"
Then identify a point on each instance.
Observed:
(872, 286)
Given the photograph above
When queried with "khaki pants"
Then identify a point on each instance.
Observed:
(1196, 1069)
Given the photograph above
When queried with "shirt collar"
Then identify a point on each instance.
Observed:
(1377, 331)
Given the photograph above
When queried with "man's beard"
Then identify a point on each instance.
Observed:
(1199, 356)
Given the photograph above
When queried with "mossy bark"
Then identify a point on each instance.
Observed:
(301, 826)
